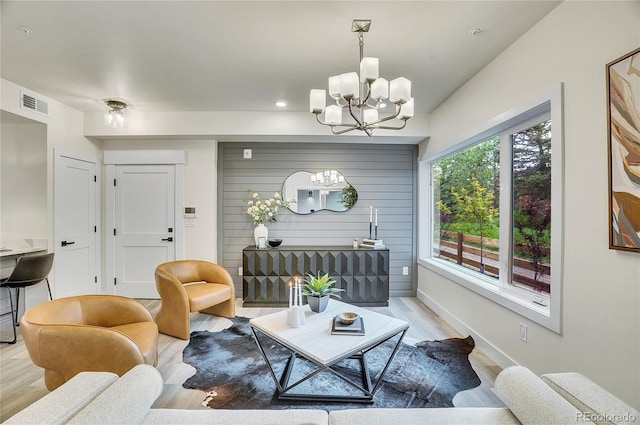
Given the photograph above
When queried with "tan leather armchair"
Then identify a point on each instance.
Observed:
(187, 286)
(105, 333)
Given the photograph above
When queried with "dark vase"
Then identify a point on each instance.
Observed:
(318, 304)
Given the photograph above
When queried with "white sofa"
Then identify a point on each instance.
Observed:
(103, 398)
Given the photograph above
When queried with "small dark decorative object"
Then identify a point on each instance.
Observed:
(348, 318)
(275, 242)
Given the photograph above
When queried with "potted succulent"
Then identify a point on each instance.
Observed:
(318, 289)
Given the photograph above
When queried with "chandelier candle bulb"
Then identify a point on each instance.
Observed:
(406, 110)
(380, 89)
(400, 90)
(349, 85)
(334, 87)
(333, 115)
(368, 70)
(370, 115)
(317, 101)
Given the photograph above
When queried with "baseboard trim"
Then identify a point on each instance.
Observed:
(493, 352)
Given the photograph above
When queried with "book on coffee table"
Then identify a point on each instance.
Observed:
(356, 328)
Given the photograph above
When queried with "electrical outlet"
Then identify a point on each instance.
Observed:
(239, 271)
(523, 332)
(405, 271)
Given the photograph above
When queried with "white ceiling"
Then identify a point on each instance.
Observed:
(244, 55)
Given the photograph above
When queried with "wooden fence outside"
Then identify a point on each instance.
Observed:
(469, 255)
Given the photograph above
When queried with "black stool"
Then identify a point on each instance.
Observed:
(29, 270)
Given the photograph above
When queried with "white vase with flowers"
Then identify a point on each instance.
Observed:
(263, 211)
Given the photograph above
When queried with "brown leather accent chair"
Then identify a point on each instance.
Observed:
(186, 286)
(104, 333)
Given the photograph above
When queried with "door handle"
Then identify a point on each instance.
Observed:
(65, 243)
(169, 239)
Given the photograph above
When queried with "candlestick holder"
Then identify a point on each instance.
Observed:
(295, 313)
(295, 316)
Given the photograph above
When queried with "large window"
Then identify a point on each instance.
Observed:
(494, 213)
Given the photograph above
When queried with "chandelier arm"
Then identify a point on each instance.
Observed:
(333, 126)
(354, 117)
(341, 104)
(376, 106)
(360, 125)
(366, 98)
(390, 117)
(346, 130)
(384, 127)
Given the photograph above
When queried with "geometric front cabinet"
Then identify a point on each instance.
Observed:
(362, 273)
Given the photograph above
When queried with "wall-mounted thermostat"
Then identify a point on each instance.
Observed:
(189, 212)
(246, 154)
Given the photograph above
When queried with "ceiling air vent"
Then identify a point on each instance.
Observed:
(32, 103)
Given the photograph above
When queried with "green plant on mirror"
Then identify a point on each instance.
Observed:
(319, 286)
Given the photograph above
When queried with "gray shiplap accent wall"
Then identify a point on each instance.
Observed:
(383, 175)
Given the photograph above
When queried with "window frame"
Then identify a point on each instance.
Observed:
(510, 296)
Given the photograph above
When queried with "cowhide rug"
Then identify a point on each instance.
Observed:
(232, 372)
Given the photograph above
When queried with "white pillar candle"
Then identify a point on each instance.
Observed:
(376, 216)
(300, 294)
(370, 213)
(290, 296)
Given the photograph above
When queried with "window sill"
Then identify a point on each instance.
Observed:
(517, 300)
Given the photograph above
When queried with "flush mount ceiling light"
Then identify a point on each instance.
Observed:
(116, 116)
(362, 96)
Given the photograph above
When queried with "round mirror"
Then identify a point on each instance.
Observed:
(324, 190)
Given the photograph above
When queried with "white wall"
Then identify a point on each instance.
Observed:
(200, 189)
(23, 189)
(64, 131)
(601, 292)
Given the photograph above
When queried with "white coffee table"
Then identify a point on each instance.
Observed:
(314, 342)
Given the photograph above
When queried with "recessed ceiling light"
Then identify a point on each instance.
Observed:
(475, 33)
(26, 31)
(281, 103)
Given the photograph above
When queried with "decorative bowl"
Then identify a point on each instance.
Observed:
(275, 242)
(347, 318)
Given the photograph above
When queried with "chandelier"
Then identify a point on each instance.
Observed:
(116, 115)
(327, 178)
(362, 96)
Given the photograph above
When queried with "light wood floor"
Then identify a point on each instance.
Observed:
(21, 382)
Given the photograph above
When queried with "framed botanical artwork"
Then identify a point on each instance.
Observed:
(623, 118)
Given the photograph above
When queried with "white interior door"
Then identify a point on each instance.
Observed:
(144, 226)
(75, 227)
